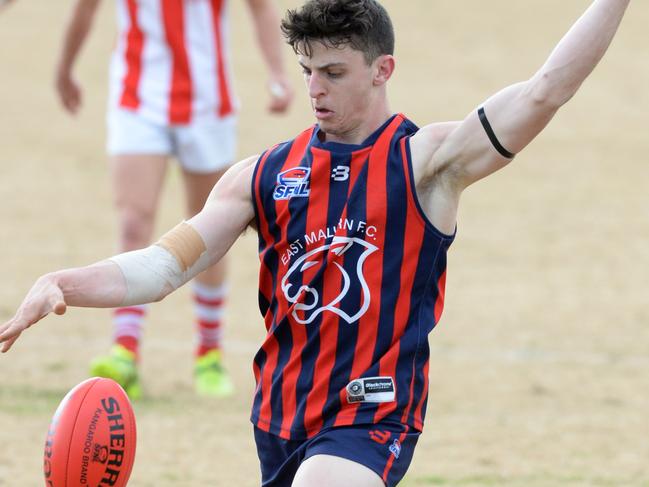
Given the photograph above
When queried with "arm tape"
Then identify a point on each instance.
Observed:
(155, 271)
(492, 136)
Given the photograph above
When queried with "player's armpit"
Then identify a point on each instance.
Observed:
(424, 144)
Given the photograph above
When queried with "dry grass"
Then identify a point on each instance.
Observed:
(540, 367)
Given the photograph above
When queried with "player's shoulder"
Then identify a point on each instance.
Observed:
(437, 132)
(245, 164)
(239, 175)
(425, 142)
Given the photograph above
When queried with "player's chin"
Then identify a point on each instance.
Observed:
(329, 127)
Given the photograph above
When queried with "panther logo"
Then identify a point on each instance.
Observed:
(306, 299)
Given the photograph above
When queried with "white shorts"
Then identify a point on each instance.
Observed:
(205, 145)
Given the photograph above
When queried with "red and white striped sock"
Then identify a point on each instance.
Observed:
(208, 307)
(127, 326)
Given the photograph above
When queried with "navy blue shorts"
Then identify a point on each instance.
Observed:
(385, 448)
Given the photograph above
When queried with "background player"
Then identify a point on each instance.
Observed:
(170, 95)
(346, 73)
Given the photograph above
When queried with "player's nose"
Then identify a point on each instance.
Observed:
(316, 86)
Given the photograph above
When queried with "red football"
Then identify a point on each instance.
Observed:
(91, 439)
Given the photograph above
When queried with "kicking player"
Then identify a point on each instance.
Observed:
(355, 216)
(170, 95)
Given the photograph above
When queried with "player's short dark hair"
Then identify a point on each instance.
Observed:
(364, 25)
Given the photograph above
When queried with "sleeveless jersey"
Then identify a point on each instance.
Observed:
(351, 282)
(171, 63)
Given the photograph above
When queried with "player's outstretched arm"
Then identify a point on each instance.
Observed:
(266, 22)
(74, 36)
(508, 121)
(149, 274)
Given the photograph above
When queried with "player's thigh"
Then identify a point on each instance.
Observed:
(137, 181)
(332, 471)
(138, 151)
(198, 187)
(207, 145)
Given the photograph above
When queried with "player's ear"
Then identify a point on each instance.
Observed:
(383, 69)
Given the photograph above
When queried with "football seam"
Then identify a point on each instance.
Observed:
(67, 461)
(134, 430)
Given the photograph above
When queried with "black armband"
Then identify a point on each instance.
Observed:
(492, 136)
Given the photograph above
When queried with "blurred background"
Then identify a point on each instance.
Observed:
(540, 365)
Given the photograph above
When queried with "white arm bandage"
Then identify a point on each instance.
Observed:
(153, 272)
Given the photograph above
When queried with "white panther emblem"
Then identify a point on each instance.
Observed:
(305, 299)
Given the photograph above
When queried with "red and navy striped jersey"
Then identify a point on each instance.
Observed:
(351, 282)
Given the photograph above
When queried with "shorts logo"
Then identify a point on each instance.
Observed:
(395, 448)
(307, 301)
(381, 437)
(293, 183)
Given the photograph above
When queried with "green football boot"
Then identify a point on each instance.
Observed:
(119, 365)
(210, 377)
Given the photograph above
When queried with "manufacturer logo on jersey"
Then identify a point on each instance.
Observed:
(292, 183)
(340, 173)
(307, 301)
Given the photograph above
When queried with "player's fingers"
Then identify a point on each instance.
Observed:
(5, 327)
(70, 95)
(280, 104)
(72, 101)
(6, 346)
(9, 333)
(76, 98)
(66, 101)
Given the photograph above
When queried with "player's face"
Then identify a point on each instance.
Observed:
(343, 90)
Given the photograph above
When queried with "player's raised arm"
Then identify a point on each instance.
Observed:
(149, 274)
(508, 121)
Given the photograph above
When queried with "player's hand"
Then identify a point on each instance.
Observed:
(69, 92)
(281, 94)
(42, 299)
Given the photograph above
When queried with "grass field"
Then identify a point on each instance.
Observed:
(540, 366)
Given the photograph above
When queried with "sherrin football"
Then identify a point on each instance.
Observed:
(91, 439)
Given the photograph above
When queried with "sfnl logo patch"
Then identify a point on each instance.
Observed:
(293, 183)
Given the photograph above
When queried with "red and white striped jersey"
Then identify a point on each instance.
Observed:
(171, 60)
